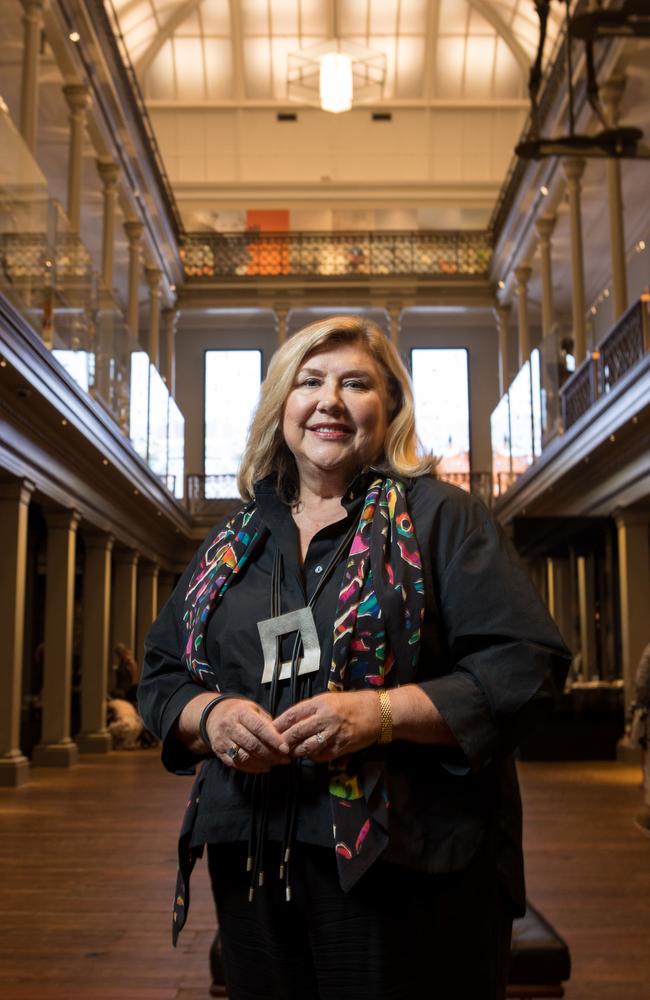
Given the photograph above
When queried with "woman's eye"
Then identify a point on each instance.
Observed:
(310, 381)
(355, 384)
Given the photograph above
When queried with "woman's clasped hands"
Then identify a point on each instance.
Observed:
(244, 736)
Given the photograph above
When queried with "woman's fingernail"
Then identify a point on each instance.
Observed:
(284, 748)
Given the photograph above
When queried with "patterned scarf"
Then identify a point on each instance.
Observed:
(377, 626)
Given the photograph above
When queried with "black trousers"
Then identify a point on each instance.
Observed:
(398, 935)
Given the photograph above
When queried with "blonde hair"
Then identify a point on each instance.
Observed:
(266, 451)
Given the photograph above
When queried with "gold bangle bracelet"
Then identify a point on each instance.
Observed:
(385, 718)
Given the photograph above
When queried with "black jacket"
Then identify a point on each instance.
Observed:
(491, 660)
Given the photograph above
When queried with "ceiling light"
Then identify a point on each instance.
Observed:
(501, 283)
(543, 190)
(606, 293)
(3, 105)
(640, 246)
(74, 36)
(335, 82)
(336, 74)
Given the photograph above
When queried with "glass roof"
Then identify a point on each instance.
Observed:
(235, 51)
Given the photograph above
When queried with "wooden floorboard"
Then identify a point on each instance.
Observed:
(87, 865)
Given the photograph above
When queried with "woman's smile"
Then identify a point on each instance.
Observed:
(335, 416)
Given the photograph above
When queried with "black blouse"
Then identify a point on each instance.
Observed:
(490, 660)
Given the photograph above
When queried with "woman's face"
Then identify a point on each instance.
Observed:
(335, 416)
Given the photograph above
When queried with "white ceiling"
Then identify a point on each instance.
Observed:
(223, 51)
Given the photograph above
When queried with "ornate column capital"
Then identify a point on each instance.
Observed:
(66, 520)
(545, 225)
(522, 274)
(502, 311)
(34, 9)
(153, 277)
(574, 168)
(611, 94)
(108, 172)
(77, 97)
(133, 229)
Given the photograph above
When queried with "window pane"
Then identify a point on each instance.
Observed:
(232, 385)
(440, 385)
(139, 402)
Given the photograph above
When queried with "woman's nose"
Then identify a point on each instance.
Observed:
(329, 397)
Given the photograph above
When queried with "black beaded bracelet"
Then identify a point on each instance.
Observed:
(203, 732)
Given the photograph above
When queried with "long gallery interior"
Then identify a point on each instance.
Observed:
(177, 198)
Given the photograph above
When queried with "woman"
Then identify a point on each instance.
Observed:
(356, 655)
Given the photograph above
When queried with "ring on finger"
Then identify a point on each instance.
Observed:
(320, 737)
(233, 751)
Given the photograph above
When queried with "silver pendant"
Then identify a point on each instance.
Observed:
(272, 629)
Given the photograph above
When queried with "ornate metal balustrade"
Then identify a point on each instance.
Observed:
(349, 255)
(580, 391)
(626, 344)
(205, 493)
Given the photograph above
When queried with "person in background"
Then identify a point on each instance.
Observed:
(126, 674)
(353, 656)
(639, 732)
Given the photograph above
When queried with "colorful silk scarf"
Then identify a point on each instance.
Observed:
(376, 637)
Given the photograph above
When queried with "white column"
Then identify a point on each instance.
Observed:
(634, 591)
(611, 94)
(147, 604)
(124, 605)
(94, 736)
(574, 168)
(168, 347)
(545, 226)
(133, 230)
(32, 28)
(153, 277)
(502, 316)
(109, 173)
(587, 614)
(14, 509)
(522, 274)
(56, 748)
(76, 96)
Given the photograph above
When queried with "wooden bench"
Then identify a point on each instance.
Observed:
(539, 958)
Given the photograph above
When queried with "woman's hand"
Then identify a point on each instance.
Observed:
(242, 723)
(330, 725)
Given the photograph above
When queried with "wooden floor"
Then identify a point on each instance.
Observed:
(87, 865)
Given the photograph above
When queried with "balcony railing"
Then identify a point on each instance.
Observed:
(322, 256)
(624, 346)
(204, 493)
(580, 391)
(617, 353)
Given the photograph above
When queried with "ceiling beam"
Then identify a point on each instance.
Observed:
(239, 87)
(174, 21)
(492, 16)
